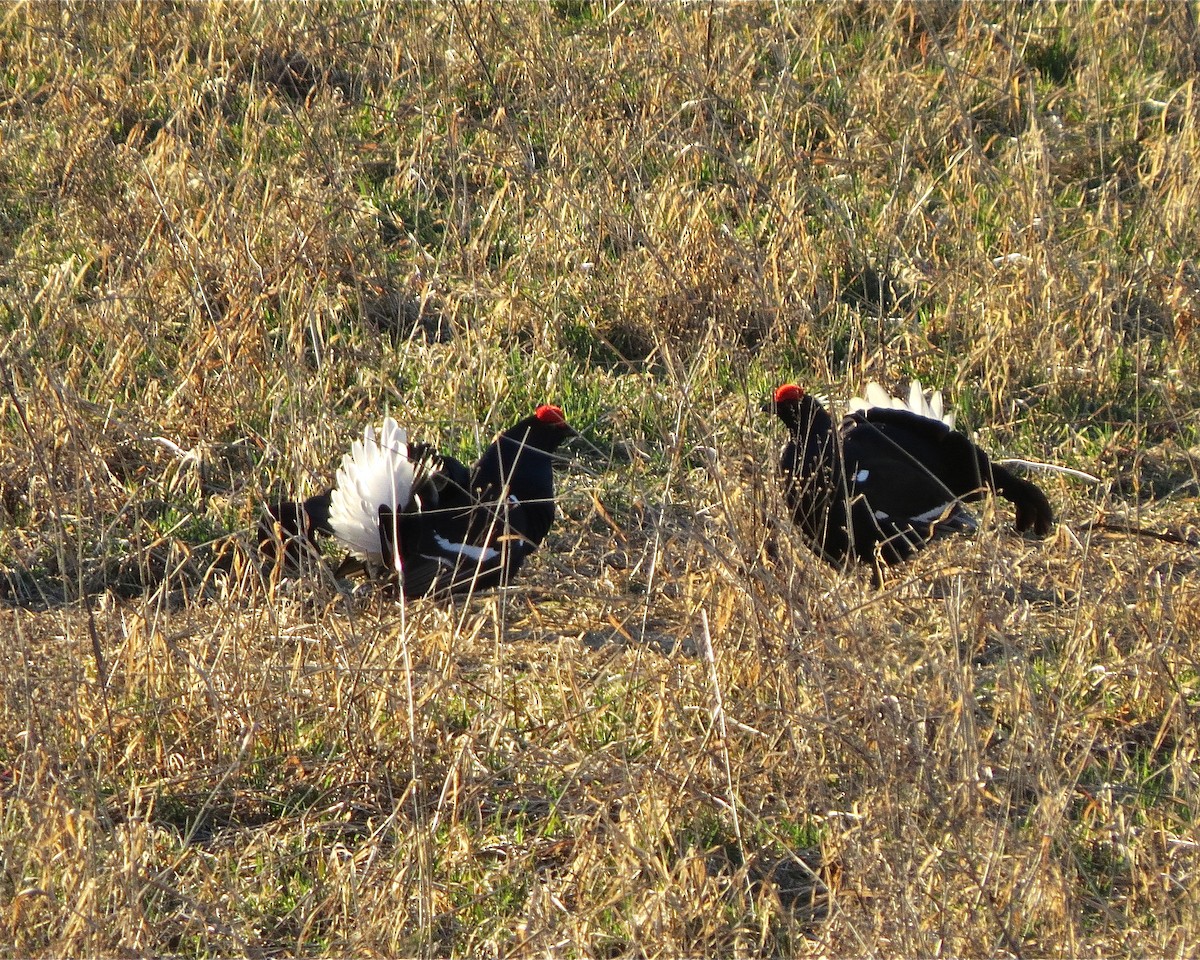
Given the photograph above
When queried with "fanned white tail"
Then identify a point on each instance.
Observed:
(926, 406)
(375, 473)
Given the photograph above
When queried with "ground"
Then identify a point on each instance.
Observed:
(232, 235)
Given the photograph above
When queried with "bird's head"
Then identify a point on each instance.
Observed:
(544, 429)
(788, 393)
(796, 408)
(551, 416)
(785, 400)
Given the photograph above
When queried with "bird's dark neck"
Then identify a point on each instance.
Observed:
(812, 428)
(513, 460)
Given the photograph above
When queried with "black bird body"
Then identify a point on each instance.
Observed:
(962, 466)
(482, 540)
(425, 517)
(884, 482)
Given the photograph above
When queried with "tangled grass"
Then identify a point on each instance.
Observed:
(231, 234)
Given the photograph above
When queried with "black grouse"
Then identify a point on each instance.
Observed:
(886, 481)
(425, 517)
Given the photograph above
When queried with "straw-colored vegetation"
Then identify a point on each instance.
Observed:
(232, 234)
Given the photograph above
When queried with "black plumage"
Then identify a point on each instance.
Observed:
(884, 482)
(426, 518)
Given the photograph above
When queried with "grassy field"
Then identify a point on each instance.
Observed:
(231, 235)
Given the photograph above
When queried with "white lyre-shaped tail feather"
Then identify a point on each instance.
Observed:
(375, 473)
(926, 406)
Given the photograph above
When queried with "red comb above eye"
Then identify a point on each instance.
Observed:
(789, 391)
(550, 415)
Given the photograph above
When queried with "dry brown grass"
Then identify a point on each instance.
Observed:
(231, 234)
